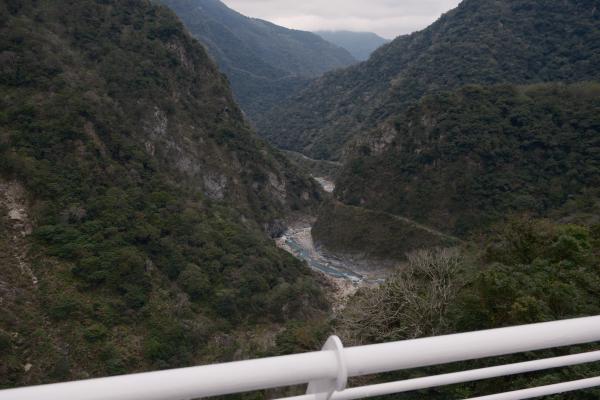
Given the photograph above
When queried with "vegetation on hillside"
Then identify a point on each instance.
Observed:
(372, 234)
(529, 271)
(481, 42)
(460, 161)
(148, 193)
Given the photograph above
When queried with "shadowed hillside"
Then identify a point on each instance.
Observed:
(462, 160)
(135, 202)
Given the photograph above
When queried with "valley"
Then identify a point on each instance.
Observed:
(182, 184)
(264, 62)
(298, 240)
(360, 270)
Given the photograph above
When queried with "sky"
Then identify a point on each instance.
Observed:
(387, 18)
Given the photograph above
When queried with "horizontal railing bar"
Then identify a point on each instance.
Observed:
(544, 390)
(408, 385)
(244, 376)
(191, 383)
(377, 358)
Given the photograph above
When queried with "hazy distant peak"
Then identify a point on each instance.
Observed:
(348, 32)
(360, 44)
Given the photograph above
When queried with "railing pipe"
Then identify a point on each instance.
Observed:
(408, 385)
(544, 390)
(376, 358)
(191, 383)
(243, 376)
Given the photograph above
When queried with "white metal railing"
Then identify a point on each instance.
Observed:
(326, 372)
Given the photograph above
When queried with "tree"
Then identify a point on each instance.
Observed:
(411, 303)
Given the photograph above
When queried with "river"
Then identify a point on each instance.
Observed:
(298, 241)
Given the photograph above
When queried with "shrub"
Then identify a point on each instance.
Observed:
(195, 282)
(5, 343)
(95, 333)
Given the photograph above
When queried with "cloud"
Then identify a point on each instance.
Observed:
(388, 18)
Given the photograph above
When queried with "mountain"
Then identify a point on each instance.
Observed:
(263, 61)
(481, 41)
(360, 44)
(135, 202)
(464, 160)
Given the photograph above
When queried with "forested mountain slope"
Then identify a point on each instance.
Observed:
(481, 41)
(263, 61)
(134, 199)
(463, 160)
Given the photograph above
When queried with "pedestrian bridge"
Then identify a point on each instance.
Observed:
(326, 372)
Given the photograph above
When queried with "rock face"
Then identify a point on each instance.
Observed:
(14, 213)
(215, 186)
(12, 198)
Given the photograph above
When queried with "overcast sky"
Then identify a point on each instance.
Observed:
(388, 18)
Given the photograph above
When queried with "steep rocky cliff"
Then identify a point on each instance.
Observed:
(134, 199)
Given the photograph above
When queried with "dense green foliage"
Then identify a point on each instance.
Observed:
(462, 160)
(360, 44)
(149, 194)
(531, 271)
(372, 234)
(263, 61)
(481, 42)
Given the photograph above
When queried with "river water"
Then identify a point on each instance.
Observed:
(298, 241)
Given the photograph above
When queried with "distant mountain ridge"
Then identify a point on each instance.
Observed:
(360, 44)
(263, 61)
(481, 42)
